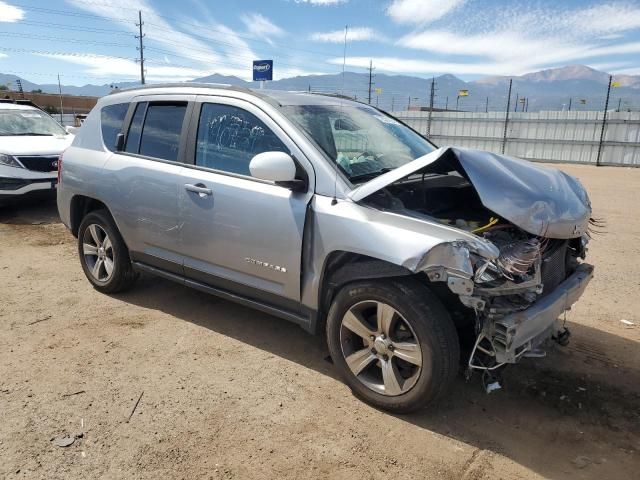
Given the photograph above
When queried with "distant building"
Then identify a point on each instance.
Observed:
(51, 102)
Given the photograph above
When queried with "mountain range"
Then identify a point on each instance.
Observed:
(552, 89)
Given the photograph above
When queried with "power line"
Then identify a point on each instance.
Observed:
(62, 39)
(67, 54)
(79, 28)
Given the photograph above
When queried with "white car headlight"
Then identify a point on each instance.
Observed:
(9, 161)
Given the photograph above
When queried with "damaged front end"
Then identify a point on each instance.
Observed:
(516, 297)
(535, 221)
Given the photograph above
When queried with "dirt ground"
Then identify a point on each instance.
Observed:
(228, 392)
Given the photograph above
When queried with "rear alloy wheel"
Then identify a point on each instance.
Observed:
(393, 342)
(98, 252)
(103, 253)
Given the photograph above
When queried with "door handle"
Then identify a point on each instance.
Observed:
(199, 188)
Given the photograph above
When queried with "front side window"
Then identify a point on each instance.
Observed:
(28, 123)
(111, 120)
(156, 129)
(363, 142)
(229, 137)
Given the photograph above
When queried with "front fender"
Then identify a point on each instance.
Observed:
(389, 237)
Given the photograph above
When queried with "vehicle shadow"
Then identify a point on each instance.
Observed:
(541, 419)
(38, 210)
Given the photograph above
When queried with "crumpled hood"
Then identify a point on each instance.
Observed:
(35, 145)
(540, 200)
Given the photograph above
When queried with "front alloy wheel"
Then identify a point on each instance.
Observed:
(393, 342)
(380, 348)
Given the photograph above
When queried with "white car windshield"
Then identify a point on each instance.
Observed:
(28, 123)
(363, 141)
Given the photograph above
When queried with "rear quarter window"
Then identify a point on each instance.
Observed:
(111, 120)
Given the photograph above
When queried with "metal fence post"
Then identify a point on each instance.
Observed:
(506, 118)
(604, 122)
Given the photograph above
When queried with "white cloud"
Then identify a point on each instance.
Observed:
(522, 39)
(3, 55)
(203, 46)
(607, 18)
(10, 13)
(421, 11)
(120, 67)
(354, 34)
(261, 27)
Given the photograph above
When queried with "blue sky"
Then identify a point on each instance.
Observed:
(92, 41)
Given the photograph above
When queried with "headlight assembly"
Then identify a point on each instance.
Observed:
(9, 161)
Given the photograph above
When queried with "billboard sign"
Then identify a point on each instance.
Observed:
(262, 70)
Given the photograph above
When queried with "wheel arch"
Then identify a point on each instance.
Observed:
(342, 267)
(81, 205)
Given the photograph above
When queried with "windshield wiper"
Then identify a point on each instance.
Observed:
(366, 175)
(31, 134)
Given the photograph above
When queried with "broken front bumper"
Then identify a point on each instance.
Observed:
(519, 332)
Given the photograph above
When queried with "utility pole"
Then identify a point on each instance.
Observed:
(570, 100)
(604, 122)
(393, 103)
(446, 104)
(370, 79)
(141, 47)
(432, 94)
(409, 104)
(486, 106)
(60, 93)
(515, 109)
(506, 117)
(619, 103)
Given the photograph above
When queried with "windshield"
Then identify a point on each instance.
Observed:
(363, 142)
(27, 123)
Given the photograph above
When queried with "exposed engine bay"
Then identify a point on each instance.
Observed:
(538, 219)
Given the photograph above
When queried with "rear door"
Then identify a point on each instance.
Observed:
(240, 233)
(145, 179)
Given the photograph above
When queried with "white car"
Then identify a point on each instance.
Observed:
(31, 142)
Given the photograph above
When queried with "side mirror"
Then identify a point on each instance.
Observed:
(277, 167)
(119, 142)
(72, 130)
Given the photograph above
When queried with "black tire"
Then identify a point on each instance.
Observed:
(432, 328)
(122, 275)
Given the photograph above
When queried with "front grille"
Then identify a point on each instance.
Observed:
(554, 266)
(40, 163)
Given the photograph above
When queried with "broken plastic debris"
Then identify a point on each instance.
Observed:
(627, 322)
(490, 387)
(64, 441)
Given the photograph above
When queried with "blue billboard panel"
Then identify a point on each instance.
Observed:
(262, 70)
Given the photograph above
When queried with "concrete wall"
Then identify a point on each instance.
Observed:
(543, 136)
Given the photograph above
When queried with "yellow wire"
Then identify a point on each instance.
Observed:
(492, 222)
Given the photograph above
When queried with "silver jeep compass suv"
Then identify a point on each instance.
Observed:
(334, 215)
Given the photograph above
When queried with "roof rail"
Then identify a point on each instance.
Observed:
(224, 86)
(335, 95)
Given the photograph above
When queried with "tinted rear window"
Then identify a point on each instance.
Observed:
(161, 131)
(111, 120)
